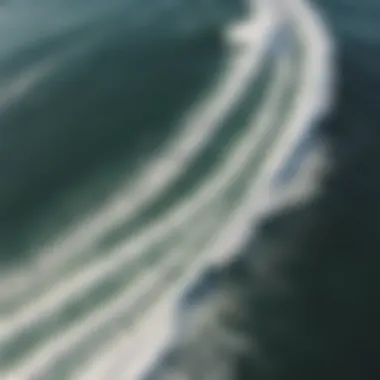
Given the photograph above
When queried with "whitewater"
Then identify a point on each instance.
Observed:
(97, 298)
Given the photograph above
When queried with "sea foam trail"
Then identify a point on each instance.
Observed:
(122, 303)
(215, 238)
(155, 178)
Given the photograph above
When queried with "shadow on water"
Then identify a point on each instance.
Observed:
(101, 112)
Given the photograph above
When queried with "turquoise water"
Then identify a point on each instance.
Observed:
(137, 144)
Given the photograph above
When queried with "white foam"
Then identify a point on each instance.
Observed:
(140, 346)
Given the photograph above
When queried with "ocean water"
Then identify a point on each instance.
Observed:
(140, 143)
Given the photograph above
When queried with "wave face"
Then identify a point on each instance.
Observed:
(149, 145)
